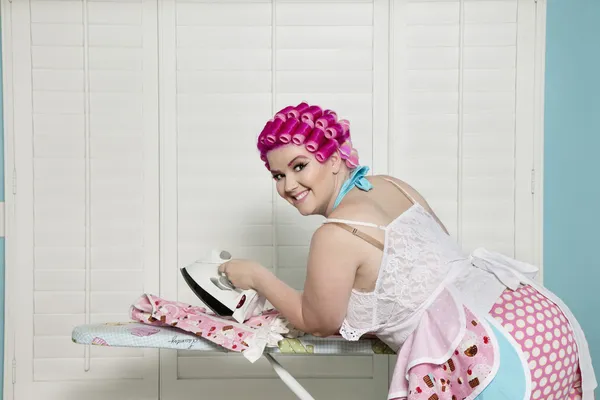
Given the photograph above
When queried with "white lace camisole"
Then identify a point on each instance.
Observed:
(417, 257)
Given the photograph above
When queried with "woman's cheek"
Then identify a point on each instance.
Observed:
(280, 186)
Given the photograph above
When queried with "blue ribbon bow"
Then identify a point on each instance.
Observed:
(356, 179)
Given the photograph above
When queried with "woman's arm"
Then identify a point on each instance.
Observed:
(331, 270)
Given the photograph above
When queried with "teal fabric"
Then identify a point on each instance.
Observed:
(509, 383)
(356, 179)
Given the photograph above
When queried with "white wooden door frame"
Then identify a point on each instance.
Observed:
(9, 177)
(531, 42)
(538, 133)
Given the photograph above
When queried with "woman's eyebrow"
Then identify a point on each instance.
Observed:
(295, 158)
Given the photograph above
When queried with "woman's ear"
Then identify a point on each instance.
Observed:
(335, 161)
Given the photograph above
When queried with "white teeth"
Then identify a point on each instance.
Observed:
(301, 195)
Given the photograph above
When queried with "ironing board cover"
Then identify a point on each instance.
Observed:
(134, 334)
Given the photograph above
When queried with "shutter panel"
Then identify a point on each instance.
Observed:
(324, 55)
(217, 91)
(223, 94)
(87, 147)
(454, 114)
(220, 90)
(425, 101)
(326, 61)
(488, 125)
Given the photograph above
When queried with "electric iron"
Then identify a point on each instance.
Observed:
(217, 292)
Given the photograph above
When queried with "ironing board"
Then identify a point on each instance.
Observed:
(135, 334)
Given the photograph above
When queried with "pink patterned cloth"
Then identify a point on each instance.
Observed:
(249, 338)
(546, 338)
(463, 374)
(445, 327)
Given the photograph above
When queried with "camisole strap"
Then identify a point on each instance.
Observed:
(359, 223)
(367, 238)
(408, 196)
(344, 223)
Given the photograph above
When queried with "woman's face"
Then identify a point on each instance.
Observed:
(305, 183)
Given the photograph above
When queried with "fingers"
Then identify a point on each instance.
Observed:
(223, 267)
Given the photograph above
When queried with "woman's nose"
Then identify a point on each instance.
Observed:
(290, 185)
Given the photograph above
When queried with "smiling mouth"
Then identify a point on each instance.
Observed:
(300, 196)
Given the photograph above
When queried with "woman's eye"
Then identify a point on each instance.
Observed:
(277, 177)
(299, 167)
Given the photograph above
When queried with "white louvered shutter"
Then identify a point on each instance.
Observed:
(220, 89)
(461, 127)
(324, 55)
(456, 132)
(93, 84)
(217, 91)
(87, 228)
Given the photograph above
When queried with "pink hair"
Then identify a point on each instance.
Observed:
(318, 130)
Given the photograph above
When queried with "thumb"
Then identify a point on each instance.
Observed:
(222, 267)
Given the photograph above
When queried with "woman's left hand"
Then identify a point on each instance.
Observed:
(241, 273)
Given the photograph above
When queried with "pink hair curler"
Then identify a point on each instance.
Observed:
(301, 133)
(326, 121)
(315, 139)
(285, 135)
(326, 150)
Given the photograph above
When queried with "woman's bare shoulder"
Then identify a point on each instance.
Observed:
(403, 184)
(362, 208)
(356, 211)
(412, 192)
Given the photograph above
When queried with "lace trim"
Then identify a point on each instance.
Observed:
(417, 258)
(350, 333)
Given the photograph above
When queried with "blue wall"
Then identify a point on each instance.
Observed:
(571, 163)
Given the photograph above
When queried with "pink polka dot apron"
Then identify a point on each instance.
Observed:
(546, 339)
(528, 333)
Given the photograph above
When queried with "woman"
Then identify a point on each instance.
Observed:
(464, 326)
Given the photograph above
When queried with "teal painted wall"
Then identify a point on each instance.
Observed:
(571, 161)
